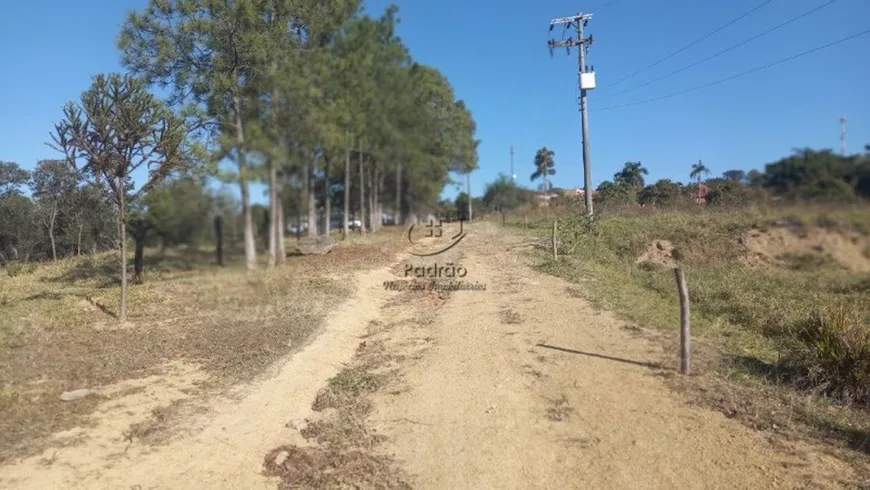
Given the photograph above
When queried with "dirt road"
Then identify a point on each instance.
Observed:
(528, 386)
(523, 385)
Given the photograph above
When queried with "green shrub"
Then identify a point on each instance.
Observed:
(18, 268)
(14, 269)
(830, 352)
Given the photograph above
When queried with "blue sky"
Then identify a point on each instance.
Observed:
(494, 53)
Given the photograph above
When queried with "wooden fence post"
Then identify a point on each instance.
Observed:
(685, 333)
(219, 239)
(555, 252)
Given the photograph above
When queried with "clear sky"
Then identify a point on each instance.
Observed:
(494, 53)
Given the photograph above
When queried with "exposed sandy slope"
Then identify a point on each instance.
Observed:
(847, 248)
(487, 407)
(225, 447)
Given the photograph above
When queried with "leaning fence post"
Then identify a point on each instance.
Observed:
(555, 252)
(685, 333)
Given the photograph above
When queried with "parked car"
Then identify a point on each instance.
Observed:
(297, 227)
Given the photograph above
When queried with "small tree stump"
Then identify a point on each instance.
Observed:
(315, 245)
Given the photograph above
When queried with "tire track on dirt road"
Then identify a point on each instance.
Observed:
(526, 385)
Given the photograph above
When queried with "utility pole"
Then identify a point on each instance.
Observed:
(843, 135)
(587, 82)
(513, 175)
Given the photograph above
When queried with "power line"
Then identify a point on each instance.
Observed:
(720, 53)
(732, 77)
(693, 43)
(608, 4)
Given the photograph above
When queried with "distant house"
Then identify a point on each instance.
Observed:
(544, 198)
(577, 192)
(700, 196)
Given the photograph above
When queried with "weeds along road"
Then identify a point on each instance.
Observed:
(523, 385)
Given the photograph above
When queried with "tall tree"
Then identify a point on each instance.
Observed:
(118, 128)
(12, 178)
(209, 52)
(87, 208)
(631, 175)
(19, 239)
(618, 193)
(662, 193)
(735, 175)
(53, 182)
(699, 171)
(465, 146)
(544, 164)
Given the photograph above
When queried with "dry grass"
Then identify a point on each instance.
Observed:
(312, 467)
(58, 330)
(830, 354)
(346, 454)
(745, 315)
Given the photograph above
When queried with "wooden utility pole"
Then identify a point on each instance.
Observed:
(362, 194)
(843, 136)
(555, 249)
(219, 239)
(468, 187)
(513, 175)
(587, 82)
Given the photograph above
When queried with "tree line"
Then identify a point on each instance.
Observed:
(806, 175)
(323, 104)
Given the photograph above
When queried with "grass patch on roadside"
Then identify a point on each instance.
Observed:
(346, 453)
(58, 327)
(770, 327)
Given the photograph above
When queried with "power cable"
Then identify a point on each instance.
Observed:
(693, 43)
(720, 53)
(732, 77)
(608, 4)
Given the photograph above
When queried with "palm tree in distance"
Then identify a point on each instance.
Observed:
(631, 175)
(544, 164)
(699, 170)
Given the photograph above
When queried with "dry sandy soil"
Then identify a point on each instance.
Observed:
(523, 385)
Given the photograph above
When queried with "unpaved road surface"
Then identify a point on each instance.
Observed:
(523, 385)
